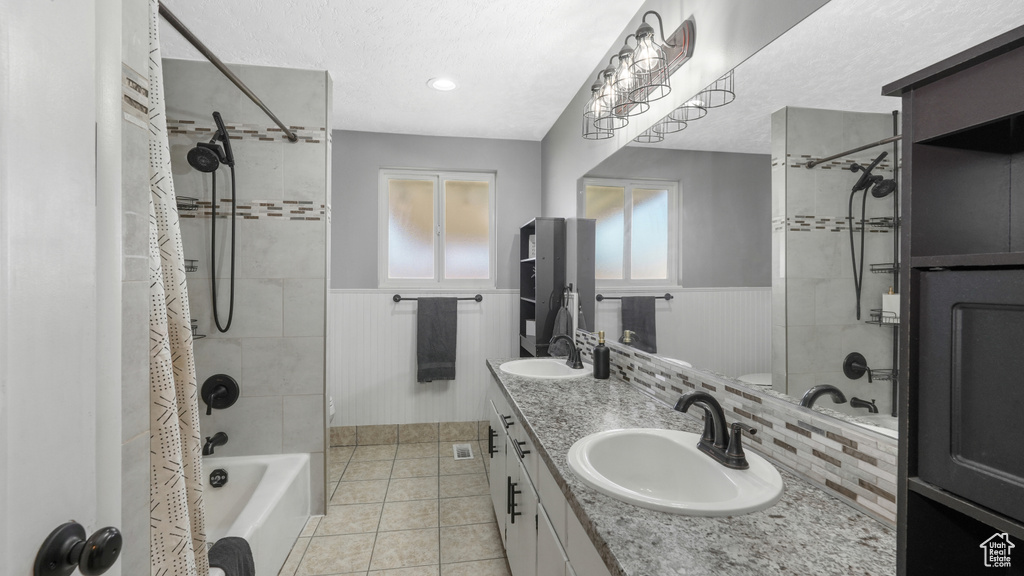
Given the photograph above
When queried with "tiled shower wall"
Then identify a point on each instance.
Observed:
(274, 348)
(853, 464)
(814, 323)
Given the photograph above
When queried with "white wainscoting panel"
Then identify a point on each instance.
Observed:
(727, 330)
(371, 357)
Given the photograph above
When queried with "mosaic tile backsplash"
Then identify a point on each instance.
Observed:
(853, 464)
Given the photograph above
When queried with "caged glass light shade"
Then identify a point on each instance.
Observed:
(669, 125)
(590, 114)
(608, 114)
(649, 65)
(722, 92)
(650, 136)
(625, 82)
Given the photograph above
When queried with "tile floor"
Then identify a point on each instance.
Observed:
(402, 510)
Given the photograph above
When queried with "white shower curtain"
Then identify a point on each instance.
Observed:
(177, 531)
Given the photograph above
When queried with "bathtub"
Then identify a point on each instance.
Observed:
(266, 501)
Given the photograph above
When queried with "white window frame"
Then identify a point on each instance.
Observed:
(672, 254)
(438, 281)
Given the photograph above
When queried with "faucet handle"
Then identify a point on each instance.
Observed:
(735, 458)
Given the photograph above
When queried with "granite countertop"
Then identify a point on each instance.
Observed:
(806, 532)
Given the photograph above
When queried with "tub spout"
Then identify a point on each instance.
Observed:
(218, 439)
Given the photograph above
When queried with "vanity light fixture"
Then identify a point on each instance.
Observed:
(608, 114)
(626, 83)
(722, 92)
(669, 125)
(442, 84)
(649, 65)
(590, 114)
(693, 109)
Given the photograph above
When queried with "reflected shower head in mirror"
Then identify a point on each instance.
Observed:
(883, 188)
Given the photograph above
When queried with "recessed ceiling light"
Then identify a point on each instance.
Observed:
(442, 84)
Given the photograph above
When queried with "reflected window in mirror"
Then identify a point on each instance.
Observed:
(635, 236)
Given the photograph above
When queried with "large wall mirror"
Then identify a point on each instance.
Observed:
(778, 274)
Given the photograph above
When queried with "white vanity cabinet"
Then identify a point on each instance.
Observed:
(532, 513)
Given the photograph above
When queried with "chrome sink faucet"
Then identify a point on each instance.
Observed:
(573, 361)
(726, 450)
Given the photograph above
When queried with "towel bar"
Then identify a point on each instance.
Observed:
(399, 298)
(601, 297)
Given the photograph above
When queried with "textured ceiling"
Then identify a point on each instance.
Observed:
(517, 64)
(839, 58)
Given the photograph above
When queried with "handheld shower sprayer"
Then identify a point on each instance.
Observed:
(880, 188)
(207, 157)
(866, 179)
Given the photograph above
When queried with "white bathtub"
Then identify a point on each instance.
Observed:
(266, 501)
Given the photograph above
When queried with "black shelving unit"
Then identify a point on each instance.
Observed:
(962, 215)
(541, 281)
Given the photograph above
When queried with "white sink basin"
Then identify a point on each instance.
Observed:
(663, 470)
(544, 369)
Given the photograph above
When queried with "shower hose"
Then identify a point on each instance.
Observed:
(213, 254)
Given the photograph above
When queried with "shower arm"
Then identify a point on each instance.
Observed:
(813, 163)
(177, 24)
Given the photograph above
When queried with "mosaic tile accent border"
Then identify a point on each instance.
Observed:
(261, 210)
(855, 465)
(801, 160)
(253, 132)
(810, 223)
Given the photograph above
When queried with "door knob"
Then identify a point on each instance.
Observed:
(66, 548)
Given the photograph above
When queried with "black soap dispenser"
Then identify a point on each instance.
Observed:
(602, 361)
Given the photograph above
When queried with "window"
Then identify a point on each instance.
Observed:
(436, 229)
(635, 239)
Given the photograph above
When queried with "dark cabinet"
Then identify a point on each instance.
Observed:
(961, 472)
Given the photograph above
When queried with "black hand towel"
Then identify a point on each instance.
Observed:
(436, 325)
(638, 316)
(233, 555)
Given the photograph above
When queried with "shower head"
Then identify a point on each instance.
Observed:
(883, 188)
(205, 157)
(865, 180)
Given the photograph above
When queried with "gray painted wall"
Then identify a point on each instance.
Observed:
(725, 199)
(357, 160)
(728, 32)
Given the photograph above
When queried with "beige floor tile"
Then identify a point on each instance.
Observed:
(463, 485)
(412, 489)
(310, 527)
(405, 549)
(343, 435)
(378, 434)
(291, 564)
(498, 567)
(368, 470)
(338, 458)
(468, 510)
(350, 519)
(449, 466)
(450, 431)
(414, 571)
(483, 427)
(418, 450)
(409, 515)
(337, 554)
(417, 433)
(361, 492)
(470, 542)
(379, 452)
(331, 488)
(414, 467)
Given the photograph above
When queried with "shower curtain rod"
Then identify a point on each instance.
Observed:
(173, 21)
(888, 140)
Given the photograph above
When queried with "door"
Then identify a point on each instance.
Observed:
(522, 519)
(498, 480)
(551, 558)
(52, 410)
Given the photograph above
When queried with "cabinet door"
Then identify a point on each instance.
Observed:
(522, 523)
(497, 477)
(551, 559)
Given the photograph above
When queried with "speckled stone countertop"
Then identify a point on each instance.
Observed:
(807, 533)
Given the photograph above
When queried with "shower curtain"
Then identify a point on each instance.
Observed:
(177, 531)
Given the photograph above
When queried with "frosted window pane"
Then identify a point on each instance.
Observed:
(605, 204)
(649, 248)
(410, 229)
(467, 253)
